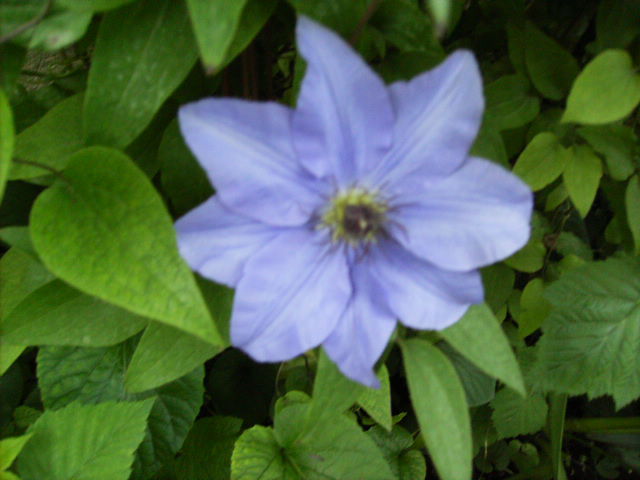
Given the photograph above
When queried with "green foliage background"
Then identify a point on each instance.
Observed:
(114, 357)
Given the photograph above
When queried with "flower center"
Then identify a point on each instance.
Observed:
(356, 216)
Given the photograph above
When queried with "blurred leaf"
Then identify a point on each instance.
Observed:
(515, 415)
(470, 336)
(56, 314)
(125, 90)
(11, 61)
(498, 283)
(105, 230)
(508, 103)
(60, 30)
(342, 16)
(163, 354)
(206, 453)
(479, 388)
(96, 375)
(406, 463)
(557, 412)
(70, 443)
(542, 161)
(19, 238)
(377, 401)
(10, 448)
(441, 12)
(591, 340)
(592, 101)
(215, 23)
(14, 14)
(632, 200)
(616, 23)
(551, 67)
(617, 143)
(436, 393)
(51, 140)
(581, 176)
(529, 258)
(181, 175)
(7, 140)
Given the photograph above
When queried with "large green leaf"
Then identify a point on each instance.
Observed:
(406, 463)
(591, 340)
(616, 23)
(581, 176)
(10, 448)
(95, 375)
(542, 161)
(60, 29)
(127, 87)
(439, 402)
(206, 453)
(51, 140)
(470, 337)
(617, 143)
(77, 442)
(104, 230)
(515, 415)
(333, 450)
(215, 23)
(592, 99)
(551, 67)
(6, 140)
(91, 5)
(377, 401)
(16, 13)
(164, 354)
(57, 314)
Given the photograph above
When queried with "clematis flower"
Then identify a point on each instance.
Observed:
(359, 208)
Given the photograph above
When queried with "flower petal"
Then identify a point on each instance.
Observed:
(343, 122)
(420, 294)
(245, 148)
(290, 297)
(438, 114)
(477, 216)
(361, 335)
(217, 242)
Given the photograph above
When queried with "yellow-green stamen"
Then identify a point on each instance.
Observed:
(355, 216)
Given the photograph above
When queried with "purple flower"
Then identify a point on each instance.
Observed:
(359, 208)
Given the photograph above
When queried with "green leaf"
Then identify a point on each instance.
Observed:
(126, 89)
(182, 177)
(105, 231)
(214, 23)
(333, 450)
(11, 60)
(406, 463)
(617, 143)
(534, 308)
(15, 13)
(479, 388)
(592, 101)
(51, 140)
(529, 258)
(78, 442)
(470, 337)
(515, 415)
(557, 413)
(164, 354)
(591, 340)
(19, 238)
(438, 400)
(6, 140)
(20, 274)
(581, 176)
(632, 201)
(551, 67)
(377, 401)
(498, 282)
(333, 393)
(206, 453)
(542, 161)
(56, 314)
(60, 30)
(91, 5)
(95, 375)
(10, 448)
(509, 104)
